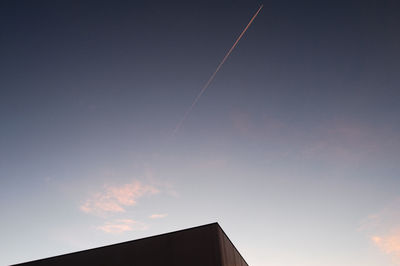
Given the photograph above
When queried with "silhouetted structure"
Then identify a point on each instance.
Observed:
(205, 245)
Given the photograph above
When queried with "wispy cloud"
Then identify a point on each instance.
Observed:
(114, 199)
(344, 141)
(383, 230)
(262, 127)
(390, 244)
(165, 185)
(158, 216)
(122, 225)
(340, 140)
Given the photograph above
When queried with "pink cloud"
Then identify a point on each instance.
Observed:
(390, 244)
(166, 186)
(242, 122)
(122, 225)
(158, 216)
(340, 140)
(383, 230)
(262, 127)
(100, 203)
(116, 199)
(344, 141)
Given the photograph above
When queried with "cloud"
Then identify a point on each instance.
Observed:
(390, 244)
(259, 127)
(165, 185)
(114, 199)
(343, 141)
(158, 216)
(122, 225)
(383, 230)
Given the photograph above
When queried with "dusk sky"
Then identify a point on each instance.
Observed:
(294, 148)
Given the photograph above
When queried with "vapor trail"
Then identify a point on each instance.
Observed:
(178, 126)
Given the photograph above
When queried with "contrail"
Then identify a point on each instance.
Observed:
(178, 126)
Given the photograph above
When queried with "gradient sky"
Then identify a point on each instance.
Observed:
(294, 148)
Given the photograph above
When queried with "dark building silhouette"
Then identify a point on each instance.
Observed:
(205, 245)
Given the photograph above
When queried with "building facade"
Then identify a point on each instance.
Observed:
(205, 245)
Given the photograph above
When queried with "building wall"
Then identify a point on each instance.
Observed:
(200, 246)
(229, 255)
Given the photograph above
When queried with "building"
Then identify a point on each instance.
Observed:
(205, 245)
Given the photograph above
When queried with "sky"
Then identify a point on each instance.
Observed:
(293, 149)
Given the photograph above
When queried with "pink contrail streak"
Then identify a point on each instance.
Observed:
(178, 126)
